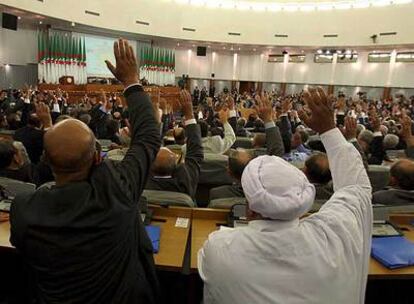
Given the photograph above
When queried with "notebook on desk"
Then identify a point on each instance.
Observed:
(393, 252)
(154, 233)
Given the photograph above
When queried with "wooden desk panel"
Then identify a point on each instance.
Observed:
(205, 221)
(173, 240)
(5, 234)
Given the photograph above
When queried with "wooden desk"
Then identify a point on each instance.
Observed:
(173, 240)
(378, 271)
(5, 235)
(205, 221)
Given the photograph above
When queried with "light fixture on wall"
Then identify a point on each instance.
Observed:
(73, 24)
(40, 22)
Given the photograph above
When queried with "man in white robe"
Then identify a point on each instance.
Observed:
(279, 258)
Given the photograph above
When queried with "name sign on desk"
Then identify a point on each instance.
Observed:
(182, 222)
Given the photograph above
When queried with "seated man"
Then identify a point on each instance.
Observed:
(241, 128)
(401, 191)
(12, 163)
(165, 174)
(239, 159)
(216, 144)
(318, 173)
(83, 239)
(321, 259)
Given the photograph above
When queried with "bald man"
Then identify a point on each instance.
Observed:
(165, 173)
(401, 190)
(83, 239)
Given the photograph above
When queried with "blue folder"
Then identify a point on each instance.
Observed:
(393, 252)
(154, 233)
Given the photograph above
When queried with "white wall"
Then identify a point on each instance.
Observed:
(254, 67)
(167, 18)
(18, 47)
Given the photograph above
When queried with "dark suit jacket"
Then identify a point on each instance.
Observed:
(85, 241)
(186, 175)
(377, 152)
(410, 152)
(32, 139)
(393, 197)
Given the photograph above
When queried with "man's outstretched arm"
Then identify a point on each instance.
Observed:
(145, 137)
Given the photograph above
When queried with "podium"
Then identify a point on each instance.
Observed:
(66, 80)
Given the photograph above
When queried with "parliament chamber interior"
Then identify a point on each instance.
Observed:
(206, 151)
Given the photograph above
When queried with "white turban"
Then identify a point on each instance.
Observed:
(275, 189)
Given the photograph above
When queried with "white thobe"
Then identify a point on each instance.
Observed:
(321, 259)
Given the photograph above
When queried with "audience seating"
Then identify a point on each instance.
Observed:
(382, 212)
(379, 176)
(14, 187)
(243, 142)
(226, 203)
(168, 198)
(213, 174)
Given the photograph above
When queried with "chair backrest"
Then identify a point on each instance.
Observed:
(14, 187)
(379, 176)
(226, 203)
(382, 212)
(243, 142)
(214, 170)
(168, 198)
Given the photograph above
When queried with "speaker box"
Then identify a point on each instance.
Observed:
(9, 21)
(201, 51)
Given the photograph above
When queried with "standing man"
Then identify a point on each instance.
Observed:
(83, 239)
(279, 258)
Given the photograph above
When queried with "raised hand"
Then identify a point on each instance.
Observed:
(186, 104)
(286, 105)
(43, 113)
(406, 131)
(264, 108)
(350, 128)
(126, 70)
(224, 115)
(321, 114)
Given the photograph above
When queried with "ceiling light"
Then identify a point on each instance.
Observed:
(19, 17)
(197, 2)
(324, 7)
(40, 22)
(213, 3)
(328, 52)
(361, 4)
(243, 6)
(381, 3)
(342, 5)
(258, 7)
(401, 1)
(319, 51)
(307, 7)
(228, 4)
(274, 7)
(290, 7)
(73, 24)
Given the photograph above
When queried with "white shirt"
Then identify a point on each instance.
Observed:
(322, 259)
(216, 144)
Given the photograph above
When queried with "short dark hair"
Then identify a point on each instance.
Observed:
(179, 136)
(7, 151)
(403, 172)
(217, 131)
(203, 127)
(237, 165)
(316, 171)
